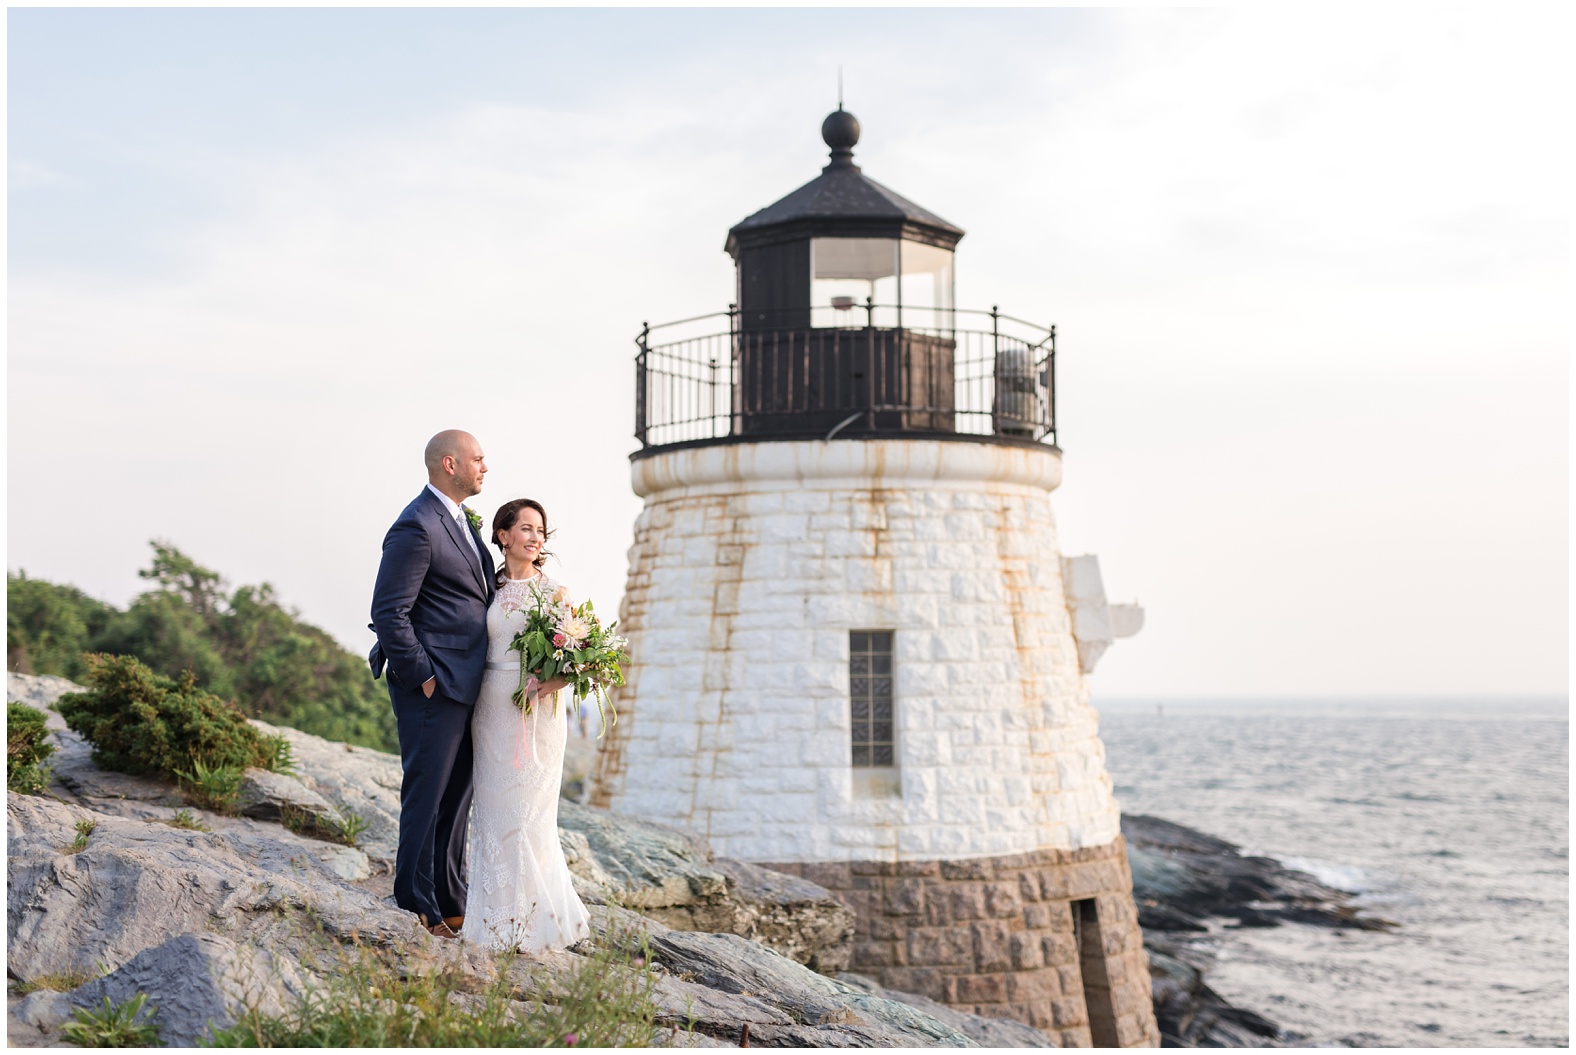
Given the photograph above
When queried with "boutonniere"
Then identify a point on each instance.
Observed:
(473, 518)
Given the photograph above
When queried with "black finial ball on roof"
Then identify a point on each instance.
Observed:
(840, 130)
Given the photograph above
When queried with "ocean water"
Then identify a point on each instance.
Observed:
(1450, 818)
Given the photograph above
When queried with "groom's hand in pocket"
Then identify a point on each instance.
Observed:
(428, 686)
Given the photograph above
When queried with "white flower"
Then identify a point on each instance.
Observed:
(575, 627)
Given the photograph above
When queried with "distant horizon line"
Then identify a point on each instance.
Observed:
(1354, 697)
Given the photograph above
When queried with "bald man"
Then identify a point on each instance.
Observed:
(429, 609)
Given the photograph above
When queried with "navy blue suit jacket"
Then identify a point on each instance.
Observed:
(429, 607)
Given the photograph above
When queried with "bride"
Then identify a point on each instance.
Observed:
(520, 894)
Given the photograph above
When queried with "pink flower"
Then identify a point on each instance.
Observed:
(558, 640)
(570, 1039)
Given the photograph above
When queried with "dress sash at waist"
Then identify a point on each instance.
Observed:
(504, 665)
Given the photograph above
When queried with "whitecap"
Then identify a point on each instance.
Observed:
(1345, 877)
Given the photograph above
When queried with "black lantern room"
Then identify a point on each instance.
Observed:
(845, 324)
(840, 242)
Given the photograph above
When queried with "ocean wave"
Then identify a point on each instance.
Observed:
(1345, 877)
(1468, 858)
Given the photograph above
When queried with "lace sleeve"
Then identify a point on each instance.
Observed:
(514, 595)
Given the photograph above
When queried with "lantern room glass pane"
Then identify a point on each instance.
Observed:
(926, 277)
(846, 274)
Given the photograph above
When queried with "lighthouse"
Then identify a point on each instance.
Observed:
(860, 656)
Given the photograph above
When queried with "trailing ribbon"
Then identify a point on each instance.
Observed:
(530, 685)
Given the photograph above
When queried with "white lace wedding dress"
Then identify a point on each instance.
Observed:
(520, 895)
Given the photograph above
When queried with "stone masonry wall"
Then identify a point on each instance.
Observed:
(751, 564)
(995, 936)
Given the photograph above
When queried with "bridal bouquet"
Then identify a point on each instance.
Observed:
(569, 642)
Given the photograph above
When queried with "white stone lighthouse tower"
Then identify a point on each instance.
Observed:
(855, 655)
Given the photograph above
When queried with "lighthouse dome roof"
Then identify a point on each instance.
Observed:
(842, 202)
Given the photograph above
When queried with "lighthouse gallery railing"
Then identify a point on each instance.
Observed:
(841, 372)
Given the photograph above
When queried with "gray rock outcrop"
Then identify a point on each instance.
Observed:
(138, 883)
(195, 983)
(209, 922)
(841, 1015)
(671, 876)
(1182, 880)
(1182, 876)
(266, 796)
(987, 1032)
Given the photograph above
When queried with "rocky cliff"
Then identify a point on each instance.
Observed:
(209, 922)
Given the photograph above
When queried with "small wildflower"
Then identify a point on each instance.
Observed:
(570, 1039)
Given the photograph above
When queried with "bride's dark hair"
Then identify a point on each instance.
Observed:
(504, 519)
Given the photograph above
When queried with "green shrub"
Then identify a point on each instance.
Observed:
(27, 749)
(114, 1025)
(142, 723)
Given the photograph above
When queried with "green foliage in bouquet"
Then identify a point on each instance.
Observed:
(241, 644)
(140, 722)
(27, 749)
(570, 642)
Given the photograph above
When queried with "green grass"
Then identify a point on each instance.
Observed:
(214, 789)
(113, 1025)
(373, 1000)
(349, 825)
(63, 982)
(282, 758)
(80, 843)
(342, 826)
(188, 820)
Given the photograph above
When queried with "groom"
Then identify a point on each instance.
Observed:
(429, 609)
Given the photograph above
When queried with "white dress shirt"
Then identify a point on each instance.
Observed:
(459, 518)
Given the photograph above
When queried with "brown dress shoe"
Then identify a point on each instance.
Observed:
(441, 930)
(454, 922)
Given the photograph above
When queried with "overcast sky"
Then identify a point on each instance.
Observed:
(1309, 272)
